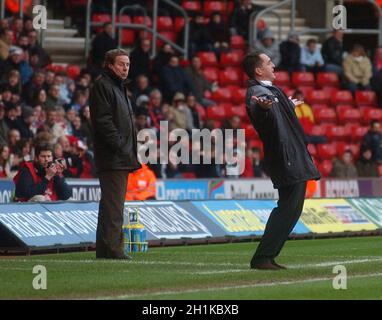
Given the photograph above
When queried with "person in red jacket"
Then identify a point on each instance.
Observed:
(141, 184)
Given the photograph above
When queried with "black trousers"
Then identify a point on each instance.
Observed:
(281, 221)
(109, 243)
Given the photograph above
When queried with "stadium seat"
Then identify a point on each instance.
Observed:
(281, 78)
(289, 92)
(237, 42)
(214, 6)
(170, 35)
(326, 151)
(327, 79)
(302, 79)
(241, 111)
(371, 114)
(221, 95)
(179, 24)
(165, 23)
(312, 150)
(141, 20)
(238, 95)
(231, 59)
(306, 90)
(353, 147)
(100, 17)
(191, 6)
(337, 133)
(325, 168)
(325, 115)
(188, 175)
(342, 107)
(208, 59)
(211, 74)
(318, 96)
(349, 115)
(250, 133)
(127, 36)
(202, 112)
(229, 76)
(318, 130)
(358, 133)
(73, 71)
(342, 97)
(319, 106)
(366, 98)
(216, 113)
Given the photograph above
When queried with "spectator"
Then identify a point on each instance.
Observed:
(240, 17)
(40, 99)
(269, 46)
(200, 84)
(60, 81)
(81, 99)
(3, 126)
(35, 48)
(102, 43)
(86, 126)
(141, 185)
(357, 70)
(140, 60)
(53, 124)
(33, 87)
(77, 128)
(209, 166)
(6, 37)
(290, 53)
(16, 61)
(305, 115)
(161, 59)
(366, 167)
(4, 161)
(257, 165)
(24, 123)
(332, 52)
(13, 138)
(192, 105)
(155, 108)
(141, 116)
(179, 115)
(11, 115)
(373, 140)
(54, 99)
(142, 86)
(17, 26)
(174, 79)
(311, 58)
(248, 169)
(14, 82)
(344, 168)
(376, 81)
(41, 180)
(24, 147)
(219, 34)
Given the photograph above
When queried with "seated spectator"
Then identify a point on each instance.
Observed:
(86, 126)
(77, 128)
(305, 115)
(25, 122)
(248, 169)
(154, 108)
(14, 82)
(13, 138)
(17, 61)
(179, 115)
(102, 43)
(373, 141)
(174, 79)
(209, 166)
(3, 126)
(54, 99)
(161, 59)
(140, 60)
(35, 48)
(141, 185)
(332, 52)
(42, 179)
(200, 84)
(311, 58)
(141, 119)
(192, 104)
(142, 86)
(290, 52)
(344, 168)
(220, 36)
(269, 46)
(33, 87)
(376, 81)
(60, 80)
(4, 162)
(357, 70)
(6, 37)
(53, 124)
(366, 166)
(40, 99)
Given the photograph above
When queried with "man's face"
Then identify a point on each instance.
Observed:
(367, 154)
(266, 70)
(109, 30)
(196, 63)
(312, 47)
(39, 79)
(44, 158)
(174, 62)
(156, 99)
(51, 117)
(347, 158)
(141, 120)
(16, 58)
(376, 127)
(121, 66)
(142, 82)
(14, 136)
(339, 35)
(191, 101)
(55, 91)
(32, 37)
(235, 123)
(145, 45)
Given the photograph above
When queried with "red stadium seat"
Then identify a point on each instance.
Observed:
(211, 74)
(250, 133)
(318, 130)
(358, 133)
(349, 115)
(165, 23)
(319, 106)
(241, 112)
(238, 42)
(342, 107)
(216, 113)
(127, 36)
(208, 59)
(288, 91)
(100, 17)
(302, 79)
(325, 115)
(73, 71)
(202, 112)
(372, 114)
(229, 76)
(179, 24)
(306, 90)
(191, 6)
(282, 78)
(342, 97)
(231, 59)
(366, 98)
(325, 168)
(353, 147)
(141, 20)
(326, 151)
(221, 95)
(238, 95)
(318, 96)
(312, 150)
(170, 35)
(214, 6)
(337, 133)
(327, 79)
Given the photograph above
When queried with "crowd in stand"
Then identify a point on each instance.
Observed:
(40, 105)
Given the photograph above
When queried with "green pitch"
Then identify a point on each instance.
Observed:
(203, 272)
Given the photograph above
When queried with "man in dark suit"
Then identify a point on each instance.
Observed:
(115, 150)
(286, 157)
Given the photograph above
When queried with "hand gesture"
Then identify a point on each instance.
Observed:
(51, 171)
(264, 103)
(296, 102)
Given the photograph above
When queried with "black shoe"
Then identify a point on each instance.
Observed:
(264, 265)
(122, 257)
(278, 265)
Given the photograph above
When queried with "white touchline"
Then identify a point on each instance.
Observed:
(244, 286)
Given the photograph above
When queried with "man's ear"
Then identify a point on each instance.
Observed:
(258, 72)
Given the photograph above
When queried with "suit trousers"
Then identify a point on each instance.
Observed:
(281, 221)
(109, 243)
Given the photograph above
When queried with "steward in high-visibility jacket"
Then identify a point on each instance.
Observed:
(141, 184)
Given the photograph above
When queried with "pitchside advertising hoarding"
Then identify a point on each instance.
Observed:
(75, 223)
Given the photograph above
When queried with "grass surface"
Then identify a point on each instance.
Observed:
(203, 272)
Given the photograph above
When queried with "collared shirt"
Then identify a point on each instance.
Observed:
(266, 83)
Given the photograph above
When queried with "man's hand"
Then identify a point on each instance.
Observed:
(51, 171)
(263, 102)
(296, 102)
